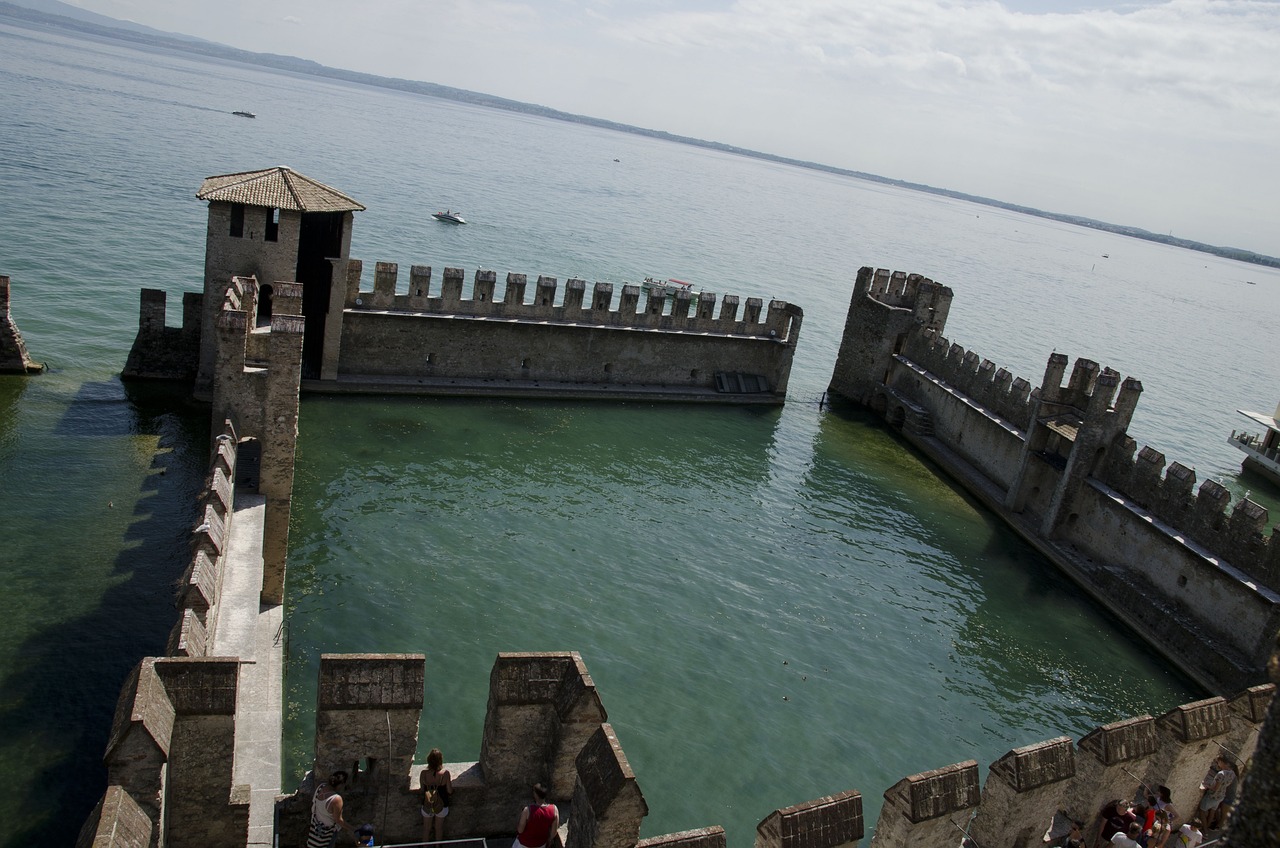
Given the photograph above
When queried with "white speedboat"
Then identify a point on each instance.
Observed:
(449, 217)
(244, 114)
(1261, 451)
(668, 287)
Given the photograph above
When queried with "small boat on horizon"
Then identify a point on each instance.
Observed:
(449, 217)
(244, 114)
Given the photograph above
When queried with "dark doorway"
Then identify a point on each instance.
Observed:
(264, 305)
(248, 465)
(319, 240)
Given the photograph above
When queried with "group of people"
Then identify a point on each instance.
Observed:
(1155, 824)
(535, 826)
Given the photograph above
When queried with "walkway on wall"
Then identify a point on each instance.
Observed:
(253, 632)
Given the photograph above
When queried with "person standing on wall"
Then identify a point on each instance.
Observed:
(1221, 775)
(538, 821)
(436, 785)
(326, 813)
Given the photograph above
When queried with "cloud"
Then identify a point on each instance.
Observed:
(1212, 50)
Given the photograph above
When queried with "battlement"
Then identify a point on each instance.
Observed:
(13, 350)
(1011, 398)
(200, 589)
(1204, 515)
(536, 340)
(656, 310)
(929, 302)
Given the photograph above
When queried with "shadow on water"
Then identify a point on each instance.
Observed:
(1034, 648)
(60, 696)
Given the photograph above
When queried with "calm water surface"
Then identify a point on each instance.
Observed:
(774, 604)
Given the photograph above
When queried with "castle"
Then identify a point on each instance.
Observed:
(193, 756)
(1197, 582)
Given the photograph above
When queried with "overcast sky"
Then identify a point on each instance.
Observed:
(1162, 115)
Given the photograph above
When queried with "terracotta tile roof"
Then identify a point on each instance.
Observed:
(278, 188)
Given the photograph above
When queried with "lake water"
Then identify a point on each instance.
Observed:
(775, 604)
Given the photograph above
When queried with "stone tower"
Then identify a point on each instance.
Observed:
(275, 225)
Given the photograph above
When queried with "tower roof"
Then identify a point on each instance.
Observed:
(277, 188)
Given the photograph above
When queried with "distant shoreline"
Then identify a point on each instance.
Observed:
(22, 16)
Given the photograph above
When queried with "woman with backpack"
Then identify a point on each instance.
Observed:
(436, 785)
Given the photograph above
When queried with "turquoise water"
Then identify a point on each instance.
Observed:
(775, 604)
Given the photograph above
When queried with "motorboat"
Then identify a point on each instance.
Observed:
(1261, 450)
(244, 114)
(449, 217)
(668, 287)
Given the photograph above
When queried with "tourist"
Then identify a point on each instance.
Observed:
(1128, 838)
(436, 786)
(1164, 803)
(1074, 837)
(1221, 775)
(1189, 835)
(1159, 831)
(326, 813)
(538, 821)
(1115, 818)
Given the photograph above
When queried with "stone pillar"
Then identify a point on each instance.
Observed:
(451, 288)
(138, 750)
(482, 291)
(574, 294)
(384, 286)
(544, 298)
(929, 808)
(118, 822)
(607, 803)
(1024, 790)
(543, 708)
(368, 707)
(13, 351)
(627, 304)
(828, 822)
(203, 807)
(419, 285)
(703, 837)
(601, 298)
(1109, 763)
(514, 294)
(279, 445)
(331, 353)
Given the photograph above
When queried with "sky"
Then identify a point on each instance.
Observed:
(1160, 114)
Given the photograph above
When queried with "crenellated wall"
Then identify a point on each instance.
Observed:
(13, 350)
(1036, 789)
(534, 342)
(1191, 574)
(171, 751)
(255, 386)
(160, 352)
(200, 588)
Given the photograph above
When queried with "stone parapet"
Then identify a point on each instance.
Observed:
(14, 358)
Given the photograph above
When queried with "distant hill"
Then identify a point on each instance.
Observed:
(56, 7)
(55, 14)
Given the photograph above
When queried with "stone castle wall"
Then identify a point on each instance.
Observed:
(1193, 575)
(531, 341)
(160, 352)
(14, 358)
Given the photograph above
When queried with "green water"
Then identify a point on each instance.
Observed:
(789, 593)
